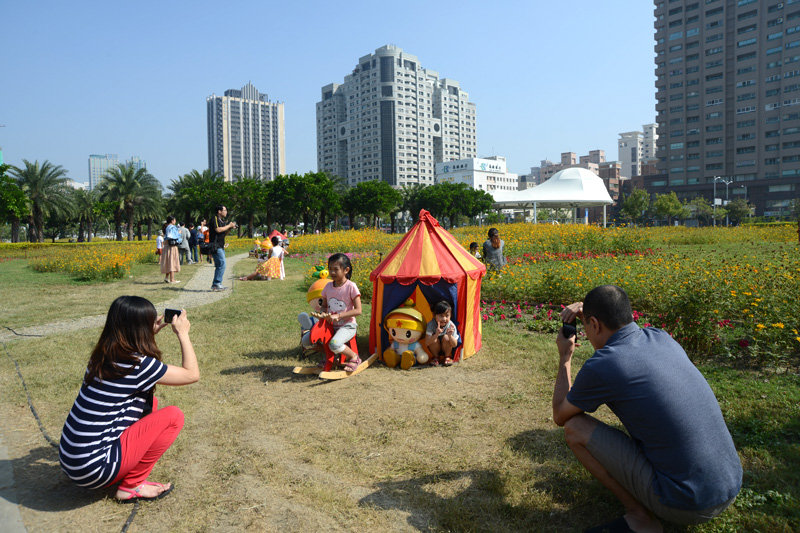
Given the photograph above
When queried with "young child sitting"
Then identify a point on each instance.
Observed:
(442, 337)
(473, 250)
(342, 302)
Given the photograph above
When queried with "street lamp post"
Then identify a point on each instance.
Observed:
(726, 182)
(714, 201)
(749, 214)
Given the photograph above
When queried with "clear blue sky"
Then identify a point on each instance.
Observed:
(132, 78)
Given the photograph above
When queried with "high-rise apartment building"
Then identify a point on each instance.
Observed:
(393, 120)
(728, 100)
(137, 163)
(634, 146)
(98, 166)
(246, 135)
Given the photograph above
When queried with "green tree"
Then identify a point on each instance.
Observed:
(410, 200)
(702, 209)
(128, 188)
(668, 206)
(45, 186)
(737, 210)
(13, 203)
(248, 199)
(186, 203)
(635, 205)
(83, 209)
(371, 199)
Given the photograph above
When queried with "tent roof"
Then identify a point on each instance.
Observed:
(427, 253)
(571, 187)
(278, 234)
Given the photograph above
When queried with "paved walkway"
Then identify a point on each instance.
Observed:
(194, 293)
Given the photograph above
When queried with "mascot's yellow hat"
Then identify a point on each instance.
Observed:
(405, 317)
(315, 290)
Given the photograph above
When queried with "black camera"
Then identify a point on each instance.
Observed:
(570, 329)
(169, 314)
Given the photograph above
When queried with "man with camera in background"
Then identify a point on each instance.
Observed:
(679, 463)
(218, 228)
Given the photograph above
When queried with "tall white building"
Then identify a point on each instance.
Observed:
(487, 174)
(98, 166)
(393, 120)
(246, 134)
(634, 146)
(137, 162)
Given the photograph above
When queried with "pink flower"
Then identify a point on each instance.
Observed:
(503, 317)
(485, 317)
(743, 343)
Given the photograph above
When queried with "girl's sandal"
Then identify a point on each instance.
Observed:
(352, 365)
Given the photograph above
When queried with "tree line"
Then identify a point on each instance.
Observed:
(639, 208)
(131, 203)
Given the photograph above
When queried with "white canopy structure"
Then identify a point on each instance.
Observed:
(571, 187)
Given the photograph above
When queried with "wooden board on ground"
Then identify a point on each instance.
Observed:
(341, 374)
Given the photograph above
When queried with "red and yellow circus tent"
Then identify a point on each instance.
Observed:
(429, 265)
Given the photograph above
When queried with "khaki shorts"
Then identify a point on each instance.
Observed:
(626, 462)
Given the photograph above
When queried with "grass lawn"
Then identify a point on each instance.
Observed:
(465, 448)
(40, 298)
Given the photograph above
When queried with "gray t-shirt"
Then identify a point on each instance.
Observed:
(432, 325)
(492, 255)
(669, 409)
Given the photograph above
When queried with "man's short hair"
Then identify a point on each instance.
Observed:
(610, 305)
(219, 208)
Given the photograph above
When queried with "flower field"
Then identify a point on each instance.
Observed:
(726, 293)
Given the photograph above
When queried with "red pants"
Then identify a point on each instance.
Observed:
(145, 442)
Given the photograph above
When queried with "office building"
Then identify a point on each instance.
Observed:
(246, 135)
(393, 120)
(728, 100)
(98, 166)
(487, 174)
(137, 163)
(635, 146)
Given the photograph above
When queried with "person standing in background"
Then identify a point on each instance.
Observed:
(194, 242)
(218, 228)
(183, 248)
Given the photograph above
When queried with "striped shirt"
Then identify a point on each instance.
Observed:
(90, 449)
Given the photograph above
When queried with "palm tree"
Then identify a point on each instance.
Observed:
(128, 188)
(45, 186)
(181, 202)
(83, 210)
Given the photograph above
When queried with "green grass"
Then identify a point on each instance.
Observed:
(44, 297)
(466, 448)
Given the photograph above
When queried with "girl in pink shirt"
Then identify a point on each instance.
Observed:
(342, 301)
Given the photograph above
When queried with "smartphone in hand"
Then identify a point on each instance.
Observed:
(570, 329)
(169, 314)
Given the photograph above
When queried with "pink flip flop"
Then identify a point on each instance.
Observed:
(134, 493)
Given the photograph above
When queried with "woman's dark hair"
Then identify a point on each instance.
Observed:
(170, 220)
(442, 307)
(343, 261)
(493, 233)
(610, 305)
(128, 332)
(275, 240)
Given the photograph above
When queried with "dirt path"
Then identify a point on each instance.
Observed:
(194, 292)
